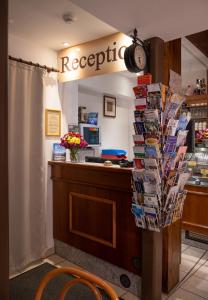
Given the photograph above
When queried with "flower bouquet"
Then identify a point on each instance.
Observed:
(73, 141)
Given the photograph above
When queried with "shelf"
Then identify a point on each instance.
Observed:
(197, 98)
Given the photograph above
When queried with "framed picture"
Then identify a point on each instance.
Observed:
(52, 122)
(109, 106)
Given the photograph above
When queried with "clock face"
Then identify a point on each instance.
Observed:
(140, 57)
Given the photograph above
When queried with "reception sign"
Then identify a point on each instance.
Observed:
(101, 56)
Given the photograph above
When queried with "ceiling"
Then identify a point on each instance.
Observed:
(168, 19)
(41, 22)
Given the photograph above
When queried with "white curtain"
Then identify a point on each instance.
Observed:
(26, 166)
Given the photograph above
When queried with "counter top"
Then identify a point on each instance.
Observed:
(91, 165)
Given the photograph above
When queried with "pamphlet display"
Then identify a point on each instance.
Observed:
(160, 171)
(59, 152)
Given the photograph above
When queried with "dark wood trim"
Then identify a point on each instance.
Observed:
(4, 219)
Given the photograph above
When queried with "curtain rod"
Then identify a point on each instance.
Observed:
(30, 63)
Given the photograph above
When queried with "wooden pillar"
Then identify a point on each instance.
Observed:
(172, 233)
(161, 252)
(4, 223)
(151, 265)
(152, 250)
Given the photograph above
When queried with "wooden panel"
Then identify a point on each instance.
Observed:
(4, 222)
(200, 40)
(83, 210)
(172, 59)
(151, 265)
(171, 255)
(195, 214)
(128, 237)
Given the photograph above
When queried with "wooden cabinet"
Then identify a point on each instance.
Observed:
(195, 214)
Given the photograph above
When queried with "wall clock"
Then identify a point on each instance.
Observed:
(136, 55)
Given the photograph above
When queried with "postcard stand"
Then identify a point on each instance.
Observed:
(160, 170)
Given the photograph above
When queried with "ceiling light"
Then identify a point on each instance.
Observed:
(66, 44)
(77, 49)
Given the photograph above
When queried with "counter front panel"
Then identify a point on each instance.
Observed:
(92, 212)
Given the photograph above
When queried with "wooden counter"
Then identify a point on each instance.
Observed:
(195, 214)
(92, 212)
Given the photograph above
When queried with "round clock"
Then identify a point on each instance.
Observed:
(135, 58)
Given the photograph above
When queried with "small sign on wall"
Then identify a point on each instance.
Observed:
(52, 122)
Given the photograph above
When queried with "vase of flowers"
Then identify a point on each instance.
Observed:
(73, 141)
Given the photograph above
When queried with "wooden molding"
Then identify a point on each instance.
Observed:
(89, 236)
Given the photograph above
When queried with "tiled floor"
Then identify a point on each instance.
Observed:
(193, 275)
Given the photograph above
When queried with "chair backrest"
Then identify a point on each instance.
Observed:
(83, 277)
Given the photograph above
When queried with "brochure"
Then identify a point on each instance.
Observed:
(59, 152)
(138, 139)
(139, 115)
(171, 127)
(170, 145)
(181, 137)
(140, 91)
(140, 103)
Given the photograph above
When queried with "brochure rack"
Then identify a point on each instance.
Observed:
(160, 171)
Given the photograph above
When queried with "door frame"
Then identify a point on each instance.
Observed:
(4, 214)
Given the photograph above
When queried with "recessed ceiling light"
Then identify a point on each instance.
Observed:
(77, 49)
(66, 44)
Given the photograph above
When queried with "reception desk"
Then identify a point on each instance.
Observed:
(92, 212)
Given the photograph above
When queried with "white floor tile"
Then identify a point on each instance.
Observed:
(196, 286)
(186, 265)
(68, 264)
(184, 247)
(130, 296)
(202, 273)
(192, 254)
(54, 259)
(184, 295)
(182, 275)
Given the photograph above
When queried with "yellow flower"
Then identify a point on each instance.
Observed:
(77, 141)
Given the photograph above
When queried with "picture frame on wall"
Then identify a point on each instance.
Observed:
(52, 122)
(109, 106)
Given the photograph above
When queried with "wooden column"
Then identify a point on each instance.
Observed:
(152, 250)
(161, 251)
(151, 265)
(4, 224)
(172, 233)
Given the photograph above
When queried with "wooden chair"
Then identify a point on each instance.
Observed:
(91, 281)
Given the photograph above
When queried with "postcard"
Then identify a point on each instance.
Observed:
(170, 145)
(139, 115)
(140, 103)
(171, 127)
(138, 139)
(181, 137)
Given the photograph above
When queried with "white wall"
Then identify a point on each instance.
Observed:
(115, 132)
(194, 64)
